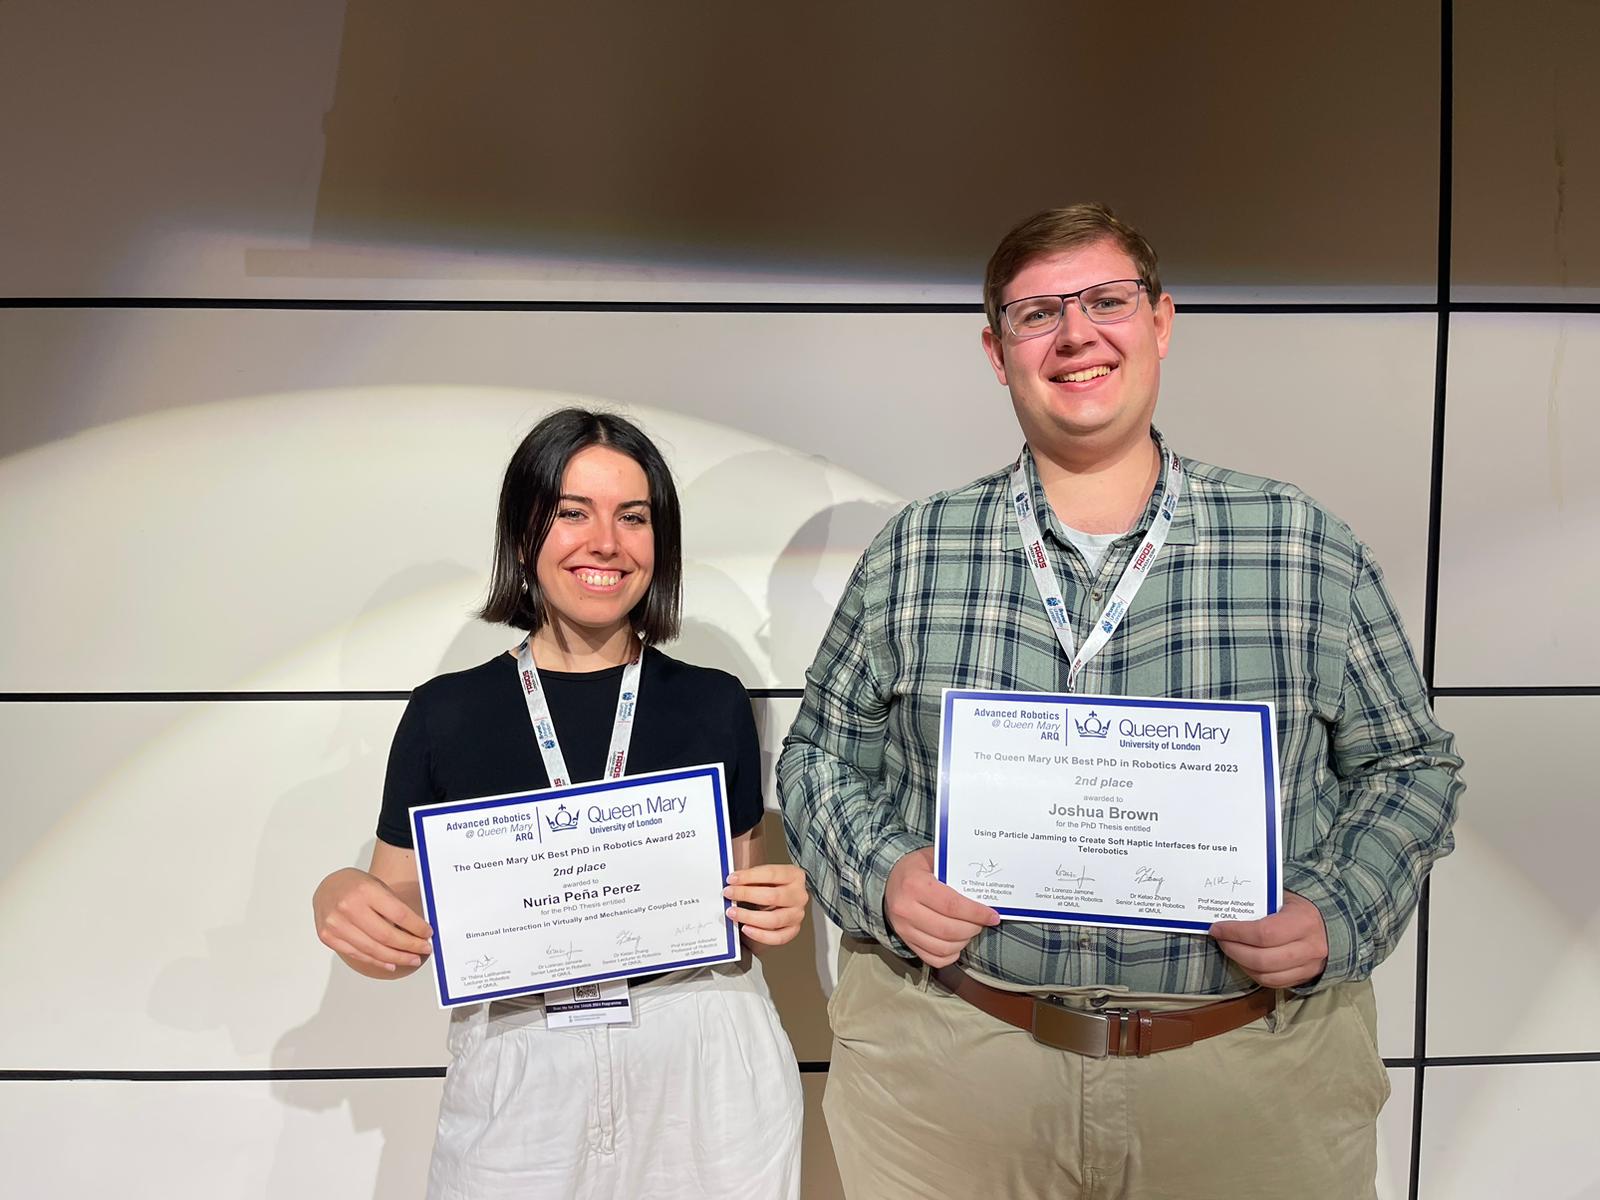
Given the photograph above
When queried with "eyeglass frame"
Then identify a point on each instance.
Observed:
(1005, 309)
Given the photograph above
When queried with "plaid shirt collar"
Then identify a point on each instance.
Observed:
(1182, 532)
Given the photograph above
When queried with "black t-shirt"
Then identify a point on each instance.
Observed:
(466, 735)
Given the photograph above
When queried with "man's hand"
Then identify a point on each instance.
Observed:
(934, 920)
(1285, 949)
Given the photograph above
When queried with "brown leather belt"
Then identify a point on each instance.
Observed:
(1108, 1031)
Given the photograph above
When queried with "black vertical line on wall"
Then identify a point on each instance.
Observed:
(1430, 626)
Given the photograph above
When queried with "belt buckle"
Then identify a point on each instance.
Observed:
(1064, 1028)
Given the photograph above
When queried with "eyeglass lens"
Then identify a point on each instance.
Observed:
(1103, 304)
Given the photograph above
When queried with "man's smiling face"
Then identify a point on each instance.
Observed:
(1083, 387)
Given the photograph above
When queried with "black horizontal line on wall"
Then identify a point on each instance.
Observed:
(762, 693)
(809, 1067)
(1493, 306)
(250, 697)
(559, 306)
(290, 1073)
(281, 1075)
(744, 306)
(1553, 690)
(185, 697)
(1500, 1060)
(1313, 309)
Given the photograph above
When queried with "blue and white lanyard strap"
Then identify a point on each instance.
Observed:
(1044, 576)
(544, 730)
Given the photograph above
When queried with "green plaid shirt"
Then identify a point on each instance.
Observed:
(1259, 594)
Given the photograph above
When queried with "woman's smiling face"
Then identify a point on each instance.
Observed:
(595, 563)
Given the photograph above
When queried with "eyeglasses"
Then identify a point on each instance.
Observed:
(1104, 304)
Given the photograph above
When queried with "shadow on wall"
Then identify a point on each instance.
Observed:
(801, 596)
(358, 1022)
(348, 1024)
(807, 579)
(748, 137)
(742, 554)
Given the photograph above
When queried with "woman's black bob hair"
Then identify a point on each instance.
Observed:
(530, 495)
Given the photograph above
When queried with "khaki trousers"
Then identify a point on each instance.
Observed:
(930, 1097)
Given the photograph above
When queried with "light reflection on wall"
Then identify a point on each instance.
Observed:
(339, 539)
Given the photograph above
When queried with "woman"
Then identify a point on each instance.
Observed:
(699, 1095)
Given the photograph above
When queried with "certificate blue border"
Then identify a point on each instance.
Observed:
(426, 812)
(1269, 754)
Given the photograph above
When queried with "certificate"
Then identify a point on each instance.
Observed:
(1109, 810)
(576, 885)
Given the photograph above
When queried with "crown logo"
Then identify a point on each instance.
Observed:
(565, 819)
(1092, 726)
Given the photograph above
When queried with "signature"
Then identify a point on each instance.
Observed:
(480, 964)
(1080, 881)
(984, 870)
(693, 927)
(561, 952)
(628, 938)
(1225, 881)
(1148, 875)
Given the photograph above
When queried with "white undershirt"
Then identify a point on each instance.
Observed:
(1093, 546)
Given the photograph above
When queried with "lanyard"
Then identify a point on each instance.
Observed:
(544, 730)
(1044, 576)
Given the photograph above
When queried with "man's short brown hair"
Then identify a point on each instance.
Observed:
(1058, 229)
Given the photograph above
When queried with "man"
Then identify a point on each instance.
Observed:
(974, 1059)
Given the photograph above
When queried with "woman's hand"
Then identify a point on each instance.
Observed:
(362, 919)
(769, 902)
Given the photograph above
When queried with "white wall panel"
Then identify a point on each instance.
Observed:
(206, 467)
(1520, 887)
(1340, 404)
(1519, 576)
(284, 1140)
(150, 148)
(411, 148)
(1394, 984)
(1527, 168)
(160, 913)
(1515, 1130)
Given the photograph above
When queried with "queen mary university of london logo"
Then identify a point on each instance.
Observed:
(1092, 726)
(563, 820)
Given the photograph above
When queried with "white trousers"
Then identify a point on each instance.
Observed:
(698, 1098)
